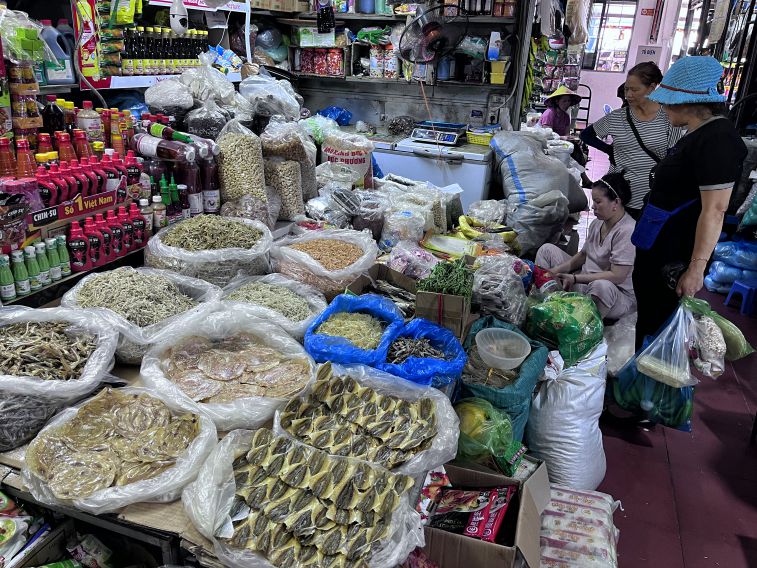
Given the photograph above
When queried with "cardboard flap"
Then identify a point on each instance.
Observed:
(528, 529)
(538, 489)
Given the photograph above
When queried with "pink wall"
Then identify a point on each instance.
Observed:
(603, 84)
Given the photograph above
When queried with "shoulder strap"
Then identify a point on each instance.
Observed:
(651, 154)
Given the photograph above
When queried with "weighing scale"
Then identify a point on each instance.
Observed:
(447, 133)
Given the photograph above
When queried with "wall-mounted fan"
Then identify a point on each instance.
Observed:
(436, 31)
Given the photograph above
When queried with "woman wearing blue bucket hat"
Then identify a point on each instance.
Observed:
(683, 214)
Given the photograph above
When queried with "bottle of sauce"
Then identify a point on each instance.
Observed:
(42, 160)
(211, 194)
(65, 259)
(80, 183)
(32, 268)
(98, 149)
(168, 133)
(159, 219)
(173, 191)
(154, 147)
(105, 116)
(44, 143)
(56, 272)
(114, 178)
(139, 226)
(81, 146)
(66, 185)
(52, 158)
(7, 284)
(43, 263)
(128, 228)
(186, 210)
(118, 233)
(147, 212)
(78, 247)
(95, 238)
(20, 275)
(87, 183)
(98, 175)
(145, 188)
(25, 165)
(66, 150)
(116, 138)
(122, 191)
(133, 175)
(90, 121)
(48, 190)
(107, 247)
(7, 160)
(52, 116)
(130, 130)
(69, 116)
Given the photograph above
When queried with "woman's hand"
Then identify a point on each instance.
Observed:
(690, 282)
(565, 280)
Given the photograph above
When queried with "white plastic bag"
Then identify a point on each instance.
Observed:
(206, 121)
(250, 412)
(170, 97)
(444, 445)
(303, 267)
(269, 96)
(217, 266)
(209, 499)
(563, 426)
(134, 340)
(353, 151)
(296, 329)
(163, 488)
(666, 359)
(206, 82)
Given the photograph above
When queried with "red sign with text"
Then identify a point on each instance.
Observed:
(77, 206)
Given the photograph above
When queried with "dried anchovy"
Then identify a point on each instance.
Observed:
(21, 417)
(362, 330)
(278, 298)
(211, 232)
(476, 372)
(44, 350)
(142, 299)
(404, 347)
(332, 254)
(403, 299)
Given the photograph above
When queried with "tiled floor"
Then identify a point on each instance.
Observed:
(690, 499)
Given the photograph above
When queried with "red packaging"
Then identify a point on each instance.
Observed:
(66, 184)
(46, 187)
(138, 224)
(307, 61)
(78, 249)
(127, 240)
(336, 62)
(76, 180)
(26, 187)
(81, 176)
(118, 233)
(102, 175)
(321, 62)
(497, 510)
(95, 237)
(122, 184)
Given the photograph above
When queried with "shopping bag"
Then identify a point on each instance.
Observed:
(666, 359)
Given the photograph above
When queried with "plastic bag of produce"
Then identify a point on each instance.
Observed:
(412, 260)
(512, 393)
(206, 82)
(285, 179)
(206, 121)
(212, 248)
(234, 367)
(353, 151)
(667, 357)
(437, 372)
(401, 226)
(269, 97)
(328, 260)
(120, 447)
(563, 428)
(419, 419)
(498, 289)
(485, 433)
(213, 500)
(362, 338)
(141, 304)
(170, 97)
(240, 163)
(289, 140)
(568, 321)
(489, 212)
(737, 347)
(289, 304)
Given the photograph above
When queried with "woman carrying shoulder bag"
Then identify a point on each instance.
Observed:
(683, 217)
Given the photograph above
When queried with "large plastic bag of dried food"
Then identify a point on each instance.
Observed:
(312, 302)
(250, 207)
(563, 428)
(371, 212)
(240, 163)
(205, 82)
(485, 433)
(666, 359)
(212, 505)
(498, 289)
(405, 225)
(331, 173)
(439, 373)
(134, 340)
(569, 321)
(353, 151)
(444, 439)
(195, 367)
(170, 97)
(339, 272)
(270, 97)
(206, 121)
(489, 211)
(737, 347)
(285, 179)
(163, 488)
(538, 222)
(387, 325)
(289, 140)
(216, 266)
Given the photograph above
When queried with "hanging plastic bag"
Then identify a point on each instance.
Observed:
(737, 347)
(485, 433)
(439, 373)
(289, 140)
(206, 82)
(216, 266)
(240, 164)
(206, 121)
(270, 97)
(170, 97)
(667, 357)
(242, 412)
(338, 349)
(296, 328)
(163, 488)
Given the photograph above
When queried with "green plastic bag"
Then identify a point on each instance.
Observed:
(568, 320)
(485, 433)
(737, 345)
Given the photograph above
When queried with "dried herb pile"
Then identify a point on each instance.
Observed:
(211, 232)
(278, 298)
(362, 330)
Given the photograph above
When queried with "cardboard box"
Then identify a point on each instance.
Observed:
(452, 312)
(451, 550)
(381, 272)
(309, 37)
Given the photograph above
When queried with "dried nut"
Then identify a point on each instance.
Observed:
(332, 254)
(291, 147)
(284, 177)
(240, 166)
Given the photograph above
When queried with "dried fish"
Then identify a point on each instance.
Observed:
(21, 417)
(211, 232)
(362, 330)
(278, 298)
(403, 347)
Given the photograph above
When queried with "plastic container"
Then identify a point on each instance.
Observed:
(366, 6)
(501, 348)
(61, 73)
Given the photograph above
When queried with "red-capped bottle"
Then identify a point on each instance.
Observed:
(44, 143)
(66, 150)
(7, 159)
(97, 180)
(139, 225)
(78, 249)
(133, 175)
(80, 183)
(118, 233)
(118, 163)
(87, 182)
(108, 251)
(81, 145)
(64, 188)
(47, 188)
(26, 165)
(95, 238)
(114, 178)
(128, 228)
(73, 183)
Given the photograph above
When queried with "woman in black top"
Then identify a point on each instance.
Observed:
(692, 185)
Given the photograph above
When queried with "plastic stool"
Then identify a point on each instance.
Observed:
(747, 290)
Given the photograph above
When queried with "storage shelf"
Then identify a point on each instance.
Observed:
(141, 81)
(401, 17)
(356, 79)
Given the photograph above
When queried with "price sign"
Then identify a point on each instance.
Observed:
(648, 53)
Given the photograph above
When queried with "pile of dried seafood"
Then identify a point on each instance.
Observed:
(362, 330)
(404, 347)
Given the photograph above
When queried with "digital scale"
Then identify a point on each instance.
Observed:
(447, 133)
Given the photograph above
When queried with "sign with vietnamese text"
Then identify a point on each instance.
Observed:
(648, 53)
(77, 206)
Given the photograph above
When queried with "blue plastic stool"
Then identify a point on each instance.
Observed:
(747, 289)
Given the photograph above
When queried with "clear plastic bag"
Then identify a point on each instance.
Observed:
(134, 340)
(22, 417)
(289, 140)
(329, 173)
(163, 488)
(303, 267)
(708, 347)
(252, 208)
(208, 502)
(498, 289)
(737, 347)
(270, 97)
(285, 179)
(318, 126)
(485, 433)
(412, 260)
(489, 211)
(206, 121)
(406, 193)
(206, 82)
(250, 412)
(402, 226)
(170, 97)
(667, 357)
(370, 213)
(296, 329)
(240, 163)
(215, 266)
(353, 151)
(443, 446)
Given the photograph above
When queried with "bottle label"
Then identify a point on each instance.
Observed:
(45, 193)
(148, 223)
(94, 248)
(186, 213)
(139, 231)
(56, 273)
(121, 190)
(34, 282)
(211, 201)
(78, 250)
(7, 292)
(23, 287)
(148, 146)
(93, 128)
(102, 183)
(107, 241)
(195, 204)
(117, 239)
(44, 277)
(113, 182)
(157, 130)
(127, 238)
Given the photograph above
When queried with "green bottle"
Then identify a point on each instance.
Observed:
(44, 264)
(65, 260)
(32, 268)
(20, 275)
(7, 286)
(54, 260)
(175, 201)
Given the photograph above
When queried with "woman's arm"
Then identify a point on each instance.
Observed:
(617, 275)
(589, 137)
(709, 226)
(570, 265)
